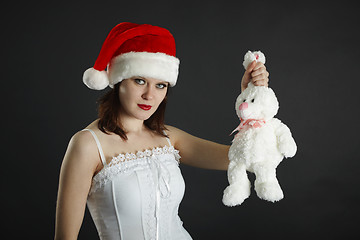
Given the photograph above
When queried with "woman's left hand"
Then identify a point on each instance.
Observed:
(255, 73)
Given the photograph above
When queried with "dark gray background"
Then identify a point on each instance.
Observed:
(312, 56)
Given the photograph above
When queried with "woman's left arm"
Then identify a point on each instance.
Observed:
(199, 152)
(202, 153)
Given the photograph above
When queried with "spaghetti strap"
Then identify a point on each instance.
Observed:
(103, 160)
(167, 138)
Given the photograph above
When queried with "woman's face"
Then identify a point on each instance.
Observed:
(140, 97)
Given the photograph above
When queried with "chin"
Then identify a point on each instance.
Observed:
(144, 116)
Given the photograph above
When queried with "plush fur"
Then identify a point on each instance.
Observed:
(94, 79)
(251, 56)
(259, 146)
(145, 64)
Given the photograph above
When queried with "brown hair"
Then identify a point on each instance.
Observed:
(109, 109)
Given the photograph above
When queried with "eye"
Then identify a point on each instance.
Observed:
(161, 85)
(253, 100)
(139, 81)
(244, 100)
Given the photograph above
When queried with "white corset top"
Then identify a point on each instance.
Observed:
(137, 196)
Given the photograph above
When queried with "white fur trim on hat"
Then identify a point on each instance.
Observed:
(95, 79)
(251, 56)
(144, 64)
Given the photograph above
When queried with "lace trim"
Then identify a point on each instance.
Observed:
(130, 162)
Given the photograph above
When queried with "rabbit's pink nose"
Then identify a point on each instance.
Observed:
(243, 106)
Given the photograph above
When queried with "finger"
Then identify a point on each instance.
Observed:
(259, 71)
(259, 77)
(259, 65)
(261, 82)
(251, 66)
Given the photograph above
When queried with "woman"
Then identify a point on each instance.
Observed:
(124, 165)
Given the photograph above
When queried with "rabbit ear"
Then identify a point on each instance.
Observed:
(251, 56)
(260, 57)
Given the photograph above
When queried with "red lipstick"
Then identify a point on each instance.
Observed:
(144, 107)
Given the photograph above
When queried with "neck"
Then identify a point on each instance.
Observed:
(132, 125)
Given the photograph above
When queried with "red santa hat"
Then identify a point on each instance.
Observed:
(134, 50)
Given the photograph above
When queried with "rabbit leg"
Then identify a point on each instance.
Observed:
(239, 188)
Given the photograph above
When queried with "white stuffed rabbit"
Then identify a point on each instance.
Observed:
(259, 146)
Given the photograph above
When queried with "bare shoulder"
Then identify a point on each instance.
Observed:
(178, 136)
(173, 132)
(172, 129)
(82, 141)
(82, 149)
(176, 131)
(94, 126)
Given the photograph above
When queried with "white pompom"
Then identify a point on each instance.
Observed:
(95, 79)
(251, 56)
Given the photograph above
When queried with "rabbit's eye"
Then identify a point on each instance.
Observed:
(253, 100)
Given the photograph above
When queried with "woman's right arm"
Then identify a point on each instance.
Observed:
(80, 162)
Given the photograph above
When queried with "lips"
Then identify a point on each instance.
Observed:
(144, 107)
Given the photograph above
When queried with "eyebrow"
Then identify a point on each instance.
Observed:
(161, 82)
(165, 83)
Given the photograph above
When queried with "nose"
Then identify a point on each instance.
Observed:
(243, 106)
(148, 94)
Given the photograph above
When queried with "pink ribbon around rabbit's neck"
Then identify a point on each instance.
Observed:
(254, 123)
